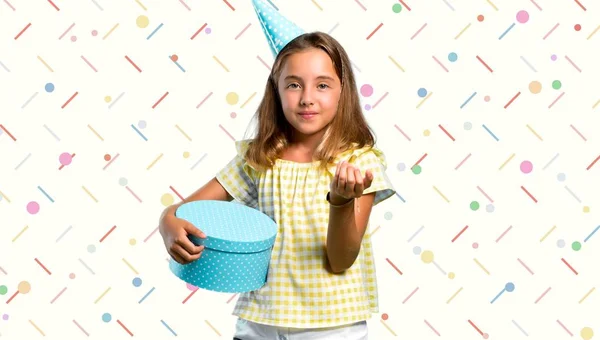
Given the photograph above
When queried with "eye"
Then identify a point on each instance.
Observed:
(323, 86)
(293, 86)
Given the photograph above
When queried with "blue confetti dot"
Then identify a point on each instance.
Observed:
(422, 92)
(137, 282)
(106, 317)
(509, 287)
(452, 57)
(49, 87)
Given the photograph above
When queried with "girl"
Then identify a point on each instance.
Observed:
(313, 168)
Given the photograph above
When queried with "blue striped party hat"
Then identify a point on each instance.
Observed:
(278, 29)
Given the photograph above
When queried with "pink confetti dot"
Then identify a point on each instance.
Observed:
(5, 317)
(486, 98)
(94, 33)
(33, 207)
(366, 90)
(526, 167)
(475, 245)
(72, 276)
(384, 316)
(191, 287)
(522, 17)
(65, 158)
(233, 115)
(486, 336)
(73, 38)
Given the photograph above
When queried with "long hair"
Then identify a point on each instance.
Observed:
(347, 130)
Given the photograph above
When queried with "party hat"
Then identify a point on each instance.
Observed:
(278, 29)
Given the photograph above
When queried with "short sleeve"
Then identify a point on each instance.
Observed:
(373, 159)
(238, 178)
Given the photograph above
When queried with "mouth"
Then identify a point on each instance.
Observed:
(307, 114)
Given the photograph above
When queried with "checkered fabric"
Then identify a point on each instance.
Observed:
(300, 292)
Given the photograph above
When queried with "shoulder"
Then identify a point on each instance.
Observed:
(241, 147)
(363, 157)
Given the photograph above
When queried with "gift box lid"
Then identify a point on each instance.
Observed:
(229, 226)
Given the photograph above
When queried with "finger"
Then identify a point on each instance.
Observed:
(187, 257)
(336, 177)
(176, 257)
(368, 179)
(188, 245)
(192, 230)
(359, 186)
(351, 180)
(341, 184)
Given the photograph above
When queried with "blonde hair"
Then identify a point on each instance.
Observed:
(348, 128)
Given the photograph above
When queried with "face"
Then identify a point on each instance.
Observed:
(309, 89)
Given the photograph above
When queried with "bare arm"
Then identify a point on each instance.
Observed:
(349, 212)
(347, 225)
(213, 190)
(175, 231)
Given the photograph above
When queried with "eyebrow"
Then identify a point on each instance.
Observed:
(291, 76)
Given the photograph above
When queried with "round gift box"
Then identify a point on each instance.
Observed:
(237, 247)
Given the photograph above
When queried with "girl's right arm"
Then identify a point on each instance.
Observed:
(175, 231)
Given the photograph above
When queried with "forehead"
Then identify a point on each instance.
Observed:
(308, 63)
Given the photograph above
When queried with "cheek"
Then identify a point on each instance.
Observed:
(331, 103)
(287, 101)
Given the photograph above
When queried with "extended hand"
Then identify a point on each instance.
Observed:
(348, 183)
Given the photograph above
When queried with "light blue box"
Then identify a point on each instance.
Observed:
(238, 246)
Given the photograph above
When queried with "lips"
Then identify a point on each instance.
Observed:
(307, 114)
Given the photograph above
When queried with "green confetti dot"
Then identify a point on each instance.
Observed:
(556, 84)
(416, 169)
(576, 246)
(397, 8)
(474, 205)
(3, 290)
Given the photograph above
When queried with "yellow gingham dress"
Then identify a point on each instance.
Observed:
(300, 292)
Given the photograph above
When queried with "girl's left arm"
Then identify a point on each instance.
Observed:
(347, 224)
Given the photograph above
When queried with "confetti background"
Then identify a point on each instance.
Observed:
(488, 112)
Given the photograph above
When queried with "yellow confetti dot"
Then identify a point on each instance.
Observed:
(132, 241)
(107, 99)
(186, 154)
(232, 98)
(586, 209)
(535, 87)
(24, 287)
(167, 200)
(142, 21)
(426, 133)
(451, 275)
(427, 256)
(587, 333)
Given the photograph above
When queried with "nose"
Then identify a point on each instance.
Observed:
(307, 98)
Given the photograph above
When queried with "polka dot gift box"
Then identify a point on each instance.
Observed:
(237, 247)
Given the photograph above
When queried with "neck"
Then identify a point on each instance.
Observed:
(309, 143)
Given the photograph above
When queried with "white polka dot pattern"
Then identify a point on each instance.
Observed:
(237, 250)
(273, 23)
